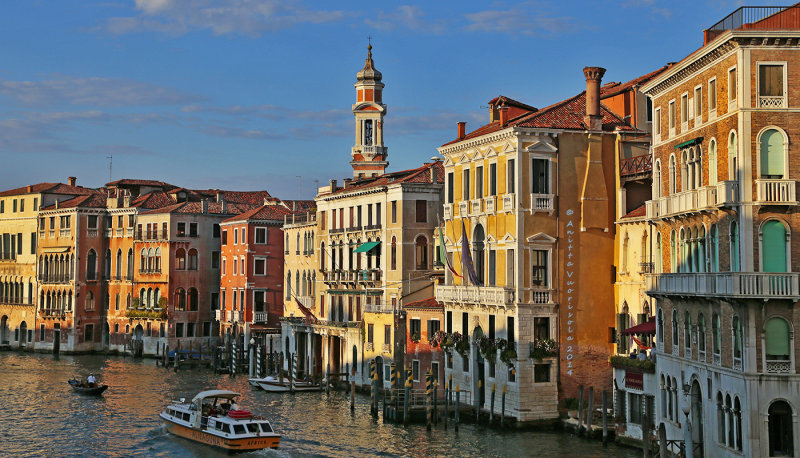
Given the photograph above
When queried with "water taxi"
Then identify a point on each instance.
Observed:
(212, 418)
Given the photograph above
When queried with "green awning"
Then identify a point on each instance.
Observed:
(691, 142)
(363, 248)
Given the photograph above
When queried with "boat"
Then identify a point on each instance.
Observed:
(83, 388)
(210, 418)
(275, 386)
(270, 378)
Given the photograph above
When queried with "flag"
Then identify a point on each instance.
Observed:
(308, 313)
(466, 257)
(443, 255)
(640, 344)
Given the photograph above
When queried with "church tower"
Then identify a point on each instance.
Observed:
(369, 154)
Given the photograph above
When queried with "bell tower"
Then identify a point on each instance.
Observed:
(369, 153)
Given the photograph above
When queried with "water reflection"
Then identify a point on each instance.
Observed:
(44, 417)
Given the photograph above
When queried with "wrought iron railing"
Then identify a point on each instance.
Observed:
(756, 17)
(635, 165)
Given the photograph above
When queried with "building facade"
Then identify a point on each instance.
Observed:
(726, 261)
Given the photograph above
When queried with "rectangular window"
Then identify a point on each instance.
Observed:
(415, 370)
(684, 108)
(492, 267)
(369, 214)
(14, 210)
(649, 109)
(178, 329)
(234, 298)
(322, 220)
(770, 80)
(22, 205)
(341, 218)
(732, 84)
(206, 328)
(41, 333)
(539, 265)
(451, 184)
(635, 408)
(698, 105)
(214, 301)
(491, 326)
(190, 330)
(260, 266)
(433, 328)
(449, 322)
(53, 222)
(215, 231)
(541, 328)
(224, 265)
(359, 221)
(371, 333)
(415, 328)
(2, 206)
(261, 235)
(465, 324)
(19, 243)
(33, 242)
(352, 213)
(492, 179)
(511, 173)
(712, 95)
(387, 334)
(181, 229)
(225, 237)
(510, 330)
(657, 122)
(243, 270)
(394, 211)
(540, 176)
(541, 373)
(215, 259)
(235, 236)
(66, 222)
(422, 211)
(465, 185)
(88, 335)
(479, 182)
(671, 115)
(192, 229)
(259, 301)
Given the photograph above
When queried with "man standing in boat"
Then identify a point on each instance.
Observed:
(91, 381)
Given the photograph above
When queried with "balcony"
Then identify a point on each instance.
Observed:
(238, 316)
(765, 101)
(755, 285)
(484, 295)
(489, 204)
(475, 207)
(779, 366)
(448, 211)
(754, 17)
(379, 308)
(65, 233)
(542, 296)
(723, 194)
(463, 208)
(260, 317)
(508, 202)
(727, 193)
(218, 314)
(776, 192)
(541, 202)
(229, 316)
(54, 278)
(307, 301)
(636, 166)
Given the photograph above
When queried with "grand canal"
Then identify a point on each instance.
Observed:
(43, 417)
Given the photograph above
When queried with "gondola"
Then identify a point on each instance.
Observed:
(83, 389)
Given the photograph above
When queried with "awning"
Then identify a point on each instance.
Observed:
(648, 327)
(364, 247)
(55, 249)
(691, 142)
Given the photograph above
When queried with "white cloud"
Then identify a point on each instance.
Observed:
(406, 16)
(221, 17)
(517, 21)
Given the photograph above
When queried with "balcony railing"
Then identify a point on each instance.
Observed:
(779, 366)
(724, 193)
(755, 17)
(475, 207)
(542, 296)
(776, 192)
(760, 285)
(765, 101)
(448, 211)
(260, 317)
(64, 233)
(541, 202)
(380, 308)
(15, 301)
(55, 278)
(218, 315)
(727, 193)
(489, 204)
(229, 316)
(463, 208)
(10, 256)
(91, 232)
(637, 165)
(508, 202)
(486, 295)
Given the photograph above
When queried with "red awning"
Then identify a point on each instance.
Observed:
(648, 327)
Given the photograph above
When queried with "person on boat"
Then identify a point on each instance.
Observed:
(234, 406)
(91, 381)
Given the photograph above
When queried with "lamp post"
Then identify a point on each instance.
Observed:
(687, 431)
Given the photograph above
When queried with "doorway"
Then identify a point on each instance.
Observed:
(697, 415)
(781, 441)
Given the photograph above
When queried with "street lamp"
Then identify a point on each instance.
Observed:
(687, 432)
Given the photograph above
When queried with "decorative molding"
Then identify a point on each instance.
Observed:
(541, 237)
(542, 147)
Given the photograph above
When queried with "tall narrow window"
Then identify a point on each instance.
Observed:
(773, 247)
(479, 238)
(712, 96)
(368, 132)
(772, 154)
(684, 108)
(492, 179)
(422, 252)
(656, 121)
(478, 182)
(672, 116)
(394, 211)
(716, 333)
(712, 163)
(511, 172)
(734, 244)
(540, 179)
(394, 253)
(539, 267)
(450, 187)
(701, 334)
(736, 329)
(91, 265)
(731, 85)
(465, 185)
(422, 211)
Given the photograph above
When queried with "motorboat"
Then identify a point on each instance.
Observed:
(275, 386)
(270, 378)
(86, 388)
(212, 418)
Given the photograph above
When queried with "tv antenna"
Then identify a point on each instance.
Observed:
(110, 165)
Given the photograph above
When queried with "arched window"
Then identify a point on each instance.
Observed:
(297, 284)
(737, 414)
(305, 284)
(157, 297)
(729, 412)
(478, 240)
(713, 249)
(682, 251)
(297, 244)
(672, 175)
(716, 336)
(736, 331)
(721, 430)
(142, 298)
(118, 269)
(158, 260)
(313, 282)
(130, 264)
(733, 157)
(288, 285)
(286, 248)
(674, 328)
(180, 299)
(701, 335)
(193, 302)
(780, 426)
(625, 254)
(149, 303)
(687, 331)
(91, 265)
(673, 252)
(659, 253)
(89, 306)
(143, 261)
(657, 180)
(421, 246)
(771, 151)
(394, 253)
(700, 244)
(712, 163)
(773, 247)
(660, 323)
(116, 302)
(685, 171)
(180, 259)
(151, 254)
(734, 243)
(107, 263)
(776, 334)
(192, 259)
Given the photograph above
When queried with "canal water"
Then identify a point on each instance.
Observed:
(41, 416)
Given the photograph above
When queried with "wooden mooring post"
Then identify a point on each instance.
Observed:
(353, 390)
(580, 408)
(589, 412)
(406, 398)
(605, 419)
(428, 406)
(458, 399)
(503, 408)
(491, 410)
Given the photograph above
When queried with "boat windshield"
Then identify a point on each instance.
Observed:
(266, 427)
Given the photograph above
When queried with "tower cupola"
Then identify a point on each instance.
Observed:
(369, 153)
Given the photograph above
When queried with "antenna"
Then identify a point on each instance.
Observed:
(369, 38)
(110, 165)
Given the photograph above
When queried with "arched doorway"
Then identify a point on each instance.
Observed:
(23, 334)
(478, 362)
(4, 330)
(697, 415)
(781, 440)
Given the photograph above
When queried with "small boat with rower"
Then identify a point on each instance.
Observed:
(213, 418)
(86, 388)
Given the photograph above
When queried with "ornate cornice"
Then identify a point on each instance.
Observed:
(712, 54)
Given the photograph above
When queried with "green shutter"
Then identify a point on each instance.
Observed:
(773, 247)
(772, 154)
(777, 334)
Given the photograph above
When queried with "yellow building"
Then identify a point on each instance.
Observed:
(535, 191)
(19, 209)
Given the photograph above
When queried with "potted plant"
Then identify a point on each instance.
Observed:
(437, 339)
(508, 353)
(543, 348)
(461, 344)
(488, 349)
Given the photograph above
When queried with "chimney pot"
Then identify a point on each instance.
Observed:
(71, 181)
(30, 188)
(333, 185)
(594, 77)
(462, 129)
(503, 115)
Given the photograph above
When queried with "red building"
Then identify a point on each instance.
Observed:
(251, 289)
(423, 319)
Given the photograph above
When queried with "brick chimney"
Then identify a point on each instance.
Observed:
(503, 115)
(593, 118)
(333, 185)
(71, 181)
(462, 129)
(204, 205)
(30, 188)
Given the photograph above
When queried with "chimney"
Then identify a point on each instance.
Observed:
(204, 205)
(30, 188)
(223, 207)
(294, 205)
(71, 181)
(593, 118)
(503, 115)
(347, 182)
(462, 129)
(333, 185)
(219, 196)
(433, 173)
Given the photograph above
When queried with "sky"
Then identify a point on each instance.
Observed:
(258, 94)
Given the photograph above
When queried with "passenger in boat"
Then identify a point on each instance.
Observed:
(90, 382)
(234, 406)
(223, 408)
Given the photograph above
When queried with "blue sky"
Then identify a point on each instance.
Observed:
(251, 94)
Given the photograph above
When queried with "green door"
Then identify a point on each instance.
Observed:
(773, 247)
(772, 154)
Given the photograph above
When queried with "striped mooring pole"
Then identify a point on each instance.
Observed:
(406, 398)
(458, 399)
(371, 391)
(428, 406)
